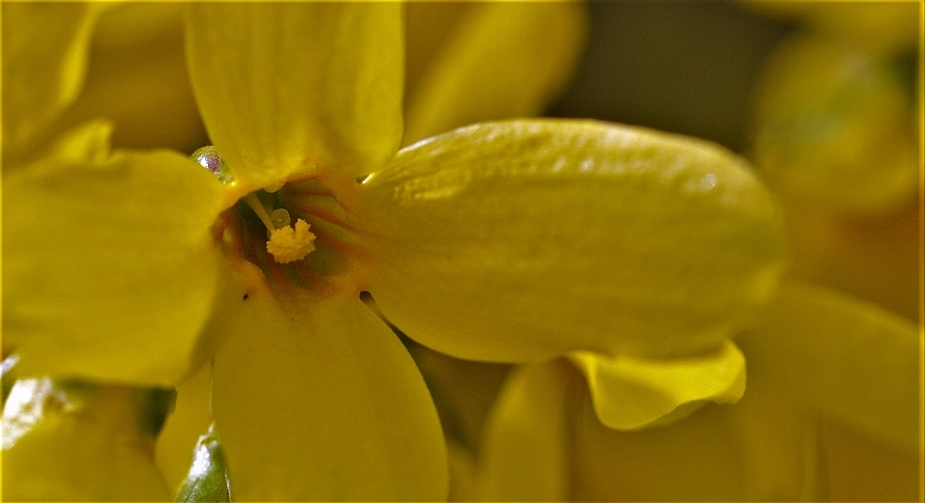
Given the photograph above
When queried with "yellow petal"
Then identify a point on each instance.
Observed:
(463, 478)
(428, 28)
(110, 268)
(89, 142)
(502, 60)
(45, 48)
(850, 361)
(523, 240)
(631, 393)
(777, 442)
(701, 458)
(873, 259)
(860, 468)
(289, 87)
(464, 391)
(83, 445)
(834, 128)
(190, 419)
(137, 78)
(324, 405)
(881, 26)
(526, 448)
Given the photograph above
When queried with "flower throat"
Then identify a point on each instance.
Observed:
(285, 242)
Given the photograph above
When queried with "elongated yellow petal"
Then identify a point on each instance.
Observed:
(110, 269)
(526, 451)
(631, 393)
(848, 360)
(502, 60)
(324, 405)
(521, 240)
(78, 445)
(45, 48)
(289, 87)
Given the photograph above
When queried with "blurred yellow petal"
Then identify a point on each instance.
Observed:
(696, 459)
(526, 449)
(778, 442)
(78, 445)
(298, 87)
(873, 259)
(137, 78)
(845, 359)
(630, 393)
(860, 468)
(429, 26)
(110, 269)
(190, 419)
(502, 60)
(880, 26)
(324, 405)
(88, 142)
(834, 128)
(464, 391)
(463, 478)
(45, 48)
(525, 240)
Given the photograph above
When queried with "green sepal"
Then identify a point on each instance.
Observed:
(208, 477)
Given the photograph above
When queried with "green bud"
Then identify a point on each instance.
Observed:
(208, 477)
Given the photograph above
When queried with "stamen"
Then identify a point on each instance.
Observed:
(255, 204)
(288, 244)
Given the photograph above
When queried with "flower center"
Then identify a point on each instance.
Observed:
(302, 234)
(287, 243)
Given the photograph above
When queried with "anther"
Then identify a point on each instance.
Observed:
(289, 244)
(285, 243)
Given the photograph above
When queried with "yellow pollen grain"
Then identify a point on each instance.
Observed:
(289, 244)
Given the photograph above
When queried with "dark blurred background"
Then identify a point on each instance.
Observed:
(686, 67)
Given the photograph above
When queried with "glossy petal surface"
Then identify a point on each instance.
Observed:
(324, 405)
(45, 49)
(501, 60)
(630, 393)
(110, 270)
(284, 86)
(61, 445)
(847, 360)
(521, 240)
